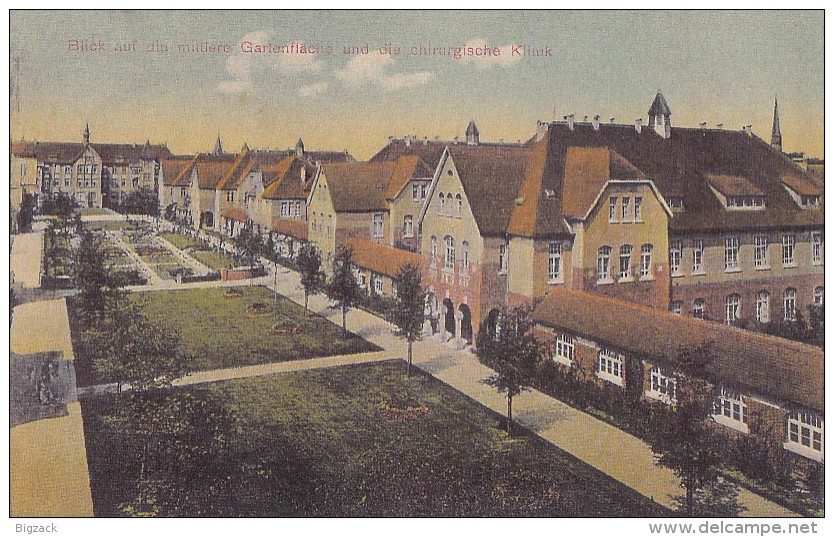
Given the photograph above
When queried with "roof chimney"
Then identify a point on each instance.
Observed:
(541, 129)
(719, 126)
(638, 125)
(596, 122)
(585, 119)
(569, 119)
(703, 124)
(748, 129)
(611, 120)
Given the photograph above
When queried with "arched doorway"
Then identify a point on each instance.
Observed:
(466, 323)
(449, 316)
(492, 321)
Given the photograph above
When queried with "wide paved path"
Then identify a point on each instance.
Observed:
(614, 452)
(47, 458)
(25, 258)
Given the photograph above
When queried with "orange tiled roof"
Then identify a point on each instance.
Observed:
(765, 365)
(171, 168)
(408, 168)
(283, 179)
(379, 258)
(288, 226)
(235, 213)
(803, 188)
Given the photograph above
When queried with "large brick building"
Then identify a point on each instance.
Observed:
(94, 174)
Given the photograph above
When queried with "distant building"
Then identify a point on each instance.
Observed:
(94, 174)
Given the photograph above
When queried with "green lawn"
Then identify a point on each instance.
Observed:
(214, 260)
(181, 241)
(319, 443)
(113, 225)
(218, 332)
(167, 270)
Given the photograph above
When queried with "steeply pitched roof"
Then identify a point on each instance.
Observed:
(359, 186)
(765, 365)
(680, 165)
(210, 169)
(491, 176)
(171, 168)
(379, 258)
(801, 187)
(408, 167)
(659, 106)
(283, 179)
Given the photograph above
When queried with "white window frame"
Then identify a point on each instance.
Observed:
(699, 307)
(646, 262)
(732, 308)
(449, 253)
(763, 307)
(464, 264)
(458, 205)
(816, 247)
(376, 282)
(676, 307)
(638, 208)
(662, 387)
(610, 366)
(625, 255)
(563, 349)
(626, 204)
(805, 435)
(731, 247)
(415, 192)
(676, 257)
(729, 408)
(612, 209)
(604, 264)
(408, 226)
(788, 250)
(698, 266)
(377, 225)
(819, 295)
(760, 260)
(789, 304)
(554, 262)
(433, 250)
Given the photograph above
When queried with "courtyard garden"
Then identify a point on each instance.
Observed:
(350, 441)
(231, 327)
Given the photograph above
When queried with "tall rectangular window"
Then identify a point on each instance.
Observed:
(554, 262)
(563, 352)
(675, 256)
(730, 409)
(377, 225)
(626, 208)
(604, 264)
(408, 226)
(788, 250)
(697, 256)
(612, 209)
(816, 247)
(638, 209)
(760, 251)
(625, 262)
(663, 387)
(503, 262)
(415, 192)
(730, 253)
(646, 262)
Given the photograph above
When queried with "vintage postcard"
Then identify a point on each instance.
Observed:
(417, 264)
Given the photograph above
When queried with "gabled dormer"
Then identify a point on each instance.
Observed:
(736, 192)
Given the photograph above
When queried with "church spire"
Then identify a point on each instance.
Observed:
(218, 147)
(776, 135)
(473, 136)
(87, 133)
(299, 148)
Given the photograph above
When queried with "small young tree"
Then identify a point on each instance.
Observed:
(684, 441)
(250, 244)
(343, 288)
(312, 277)
(409, 311)
(513, 352)
(26, 213)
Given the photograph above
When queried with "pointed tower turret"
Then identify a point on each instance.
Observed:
(776, 135)
(87, 133)
(660, 116)
(218, 147)
(299, 148)
(473, 137)
(244, 148)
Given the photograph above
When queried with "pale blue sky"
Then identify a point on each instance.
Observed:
(718, 67)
